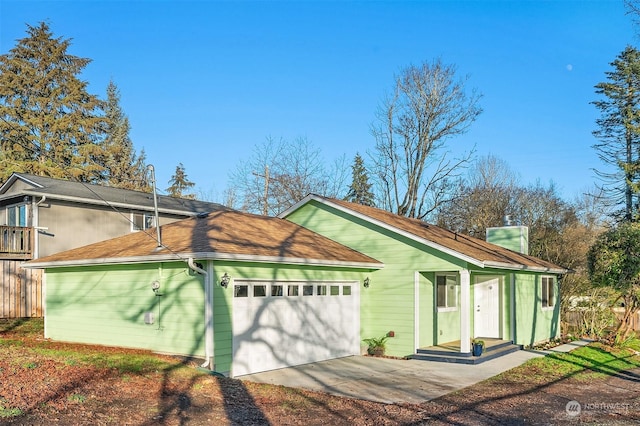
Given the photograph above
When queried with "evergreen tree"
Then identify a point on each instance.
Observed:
(179, 183)
(49, 124)
(120, 156)
(619, 133)
(360, 188)
(614, 262)
(140, 173)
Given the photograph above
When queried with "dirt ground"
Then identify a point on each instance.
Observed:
(51, 391)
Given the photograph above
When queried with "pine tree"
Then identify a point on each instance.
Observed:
(120, 157)
(179, 183)
(619, 132)
(49, 124)
(360, 188)
(140, 173)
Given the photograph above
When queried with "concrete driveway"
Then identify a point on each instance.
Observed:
(388, 380)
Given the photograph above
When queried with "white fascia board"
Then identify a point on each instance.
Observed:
(299, 204)
(471, 260)
(202, 256)
(516, 267)
(386, 226)
(110, 203)
(14, 177)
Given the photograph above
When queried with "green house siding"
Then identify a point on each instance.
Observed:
(388, 304)
(106, 305)
(533, 322)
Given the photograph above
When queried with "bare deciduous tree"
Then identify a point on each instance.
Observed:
(428, 105)
(281, 173)
(482, 199)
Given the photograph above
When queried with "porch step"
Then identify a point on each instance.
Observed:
(490, 353)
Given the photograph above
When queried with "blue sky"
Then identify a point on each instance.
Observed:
(204, 82)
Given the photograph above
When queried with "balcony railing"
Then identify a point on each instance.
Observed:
(16, 242)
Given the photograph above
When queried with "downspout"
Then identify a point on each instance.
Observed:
(36, 225)
(208, 313)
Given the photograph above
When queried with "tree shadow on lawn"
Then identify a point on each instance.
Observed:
(450, 410)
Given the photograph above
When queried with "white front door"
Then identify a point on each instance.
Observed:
(486, 317)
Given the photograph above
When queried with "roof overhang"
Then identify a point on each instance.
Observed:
(515, 267)
(99, 202)
(383, 225)
(14, 176)
(34, 264)
(411, 236)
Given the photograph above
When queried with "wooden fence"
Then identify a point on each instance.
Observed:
(574, 318)
(20, 291)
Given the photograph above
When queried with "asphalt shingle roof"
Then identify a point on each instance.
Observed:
(220, 235)
(482, 251)
(98, 194)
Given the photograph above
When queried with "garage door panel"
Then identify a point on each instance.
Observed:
(275, 332)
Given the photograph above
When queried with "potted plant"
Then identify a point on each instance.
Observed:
(376, 345)
(477, 346)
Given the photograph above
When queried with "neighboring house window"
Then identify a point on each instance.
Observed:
(447, 292)
(548, 292)
(140, 222)
(17, 215)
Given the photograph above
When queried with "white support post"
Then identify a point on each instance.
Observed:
(416, 310)
(512, 307)
(465, 311)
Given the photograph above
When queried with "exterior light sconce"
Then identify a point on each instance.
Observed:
(155, 286)
(366, 282)
(224, 281)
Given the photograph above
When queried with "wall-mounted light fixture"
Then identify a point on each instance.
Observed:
(366, 282)
(224, 281)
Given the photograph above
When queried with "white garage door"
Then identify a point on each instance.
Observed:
(282, 324)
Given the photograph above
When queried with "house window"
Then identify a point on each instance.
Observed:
(17, 215)
(548, 292)
(447, 292)
(142, 221)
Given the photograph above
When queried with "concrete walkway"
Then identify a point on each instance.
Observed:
(394, 380)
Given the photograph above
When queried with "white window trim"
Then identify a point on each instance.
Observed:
(144, 216)
(27, 207)
(457, 302)
(553, 283)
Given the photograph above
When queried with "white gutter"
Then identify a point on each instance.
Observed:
(36, 224)
(208, 313)
(99, 202)
(519, 267)
(204, 256)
